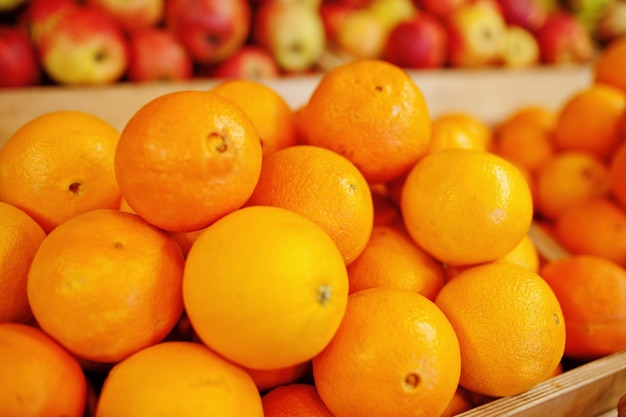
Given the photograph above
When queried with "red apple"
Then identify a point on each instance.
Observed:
(440, 8)
(155, 54)
(18, 61)
(476, 32)
(250, 61)
(333, 15)
(211, 30)
(82, 45)
(528, 14)
(293, 33)
(132, 14)
(39, 13)
(421, 42)
(564, 40)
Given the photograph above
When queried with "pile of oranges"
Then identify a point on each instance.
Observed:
(226, 254)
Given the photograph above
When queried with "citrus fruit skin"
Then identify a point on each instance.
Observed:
(271, 263)
(106, 284)
(187, 158)
(395, 354)
(20, 237)
(466, 207)
(509, 324)
(371, 112)
(296, 399)
(58, 165)
(37, 376)
(608, 67)
(178, 378)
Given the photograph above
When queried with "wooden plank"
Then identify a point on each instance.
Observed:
(487, 94)
(588, 390)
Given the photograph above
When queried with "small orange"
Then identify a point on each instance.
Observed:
(392, 259)
(465, 207)
(187, 158)
(266, 379)
(106, 284)
(38, 378)
(269, 112)
(589, 120)
(480, 133)
(617, 173)
(453, 132)
(609, 66)
(277, 286)
(509, 325)
(20, 237)
(395, 354)
(58, 165)
(592, 294)
(568, 178)
(178, 379)
(533, 114)
(371, 112)
(322, 186)
(594, 227)
(524, 143)
(293, 400)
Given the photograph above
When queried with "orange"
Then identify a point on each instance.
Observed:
(479, 133)
(20, 237)
(187, 158)
(594, 227)
(509, 325)
(465, 207)
(589, 120)
(277, 287)
(395, 354)
(392, 259)
(294, 400)
(524, 143)
(58, 165)
(38, 377)
(452, 132)
(532, 114)
(592, 294)
(568, 178)
(617, 174)
(371, 112)
(179, 379)
(322, 186)
(271, 115)
(106, 284)
(609, 66)
(266, 379)
(461, 402)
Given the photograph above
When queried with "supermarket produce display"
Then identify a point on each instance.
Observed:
(87, 42)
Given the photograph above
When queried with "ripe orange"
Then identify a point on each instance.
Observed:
(466, 207)
(568, 178)
(371, 112)
(392, 259)
(533, 114)
(589, 120)
(276, 283)
(58, 165)
(269, 112)
(592, 294)
(187, 158)
(294, 400)
(178, 379)
(480, 133)
(106, 284)
(524, 143)
(594, 227)
(322, 186)
(38, 377)
(20, 237)
(395, 354)
(609, 66)
(509, 325)
(617, 173)
(266, 379)
(454, 132)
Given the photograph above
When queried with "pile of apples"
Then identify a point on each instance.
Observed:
(88, 42)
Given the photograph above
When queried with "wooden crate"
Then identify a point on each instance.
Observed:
(589, 390)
